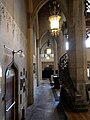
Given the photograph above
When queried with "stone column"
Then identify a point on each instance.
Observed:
(60, 46)
(77, 49)
(40, 63)
(30, 54)
(55, 56)
(30, 65)
(37, 50)
(37, 61)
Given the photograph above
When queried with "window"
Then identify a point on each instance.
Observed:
(67, 46)
(88, 72)
(0, 77)
(87, 5)
(88, 42)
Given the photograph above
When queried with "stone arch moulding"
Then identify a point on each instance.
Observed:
(41, 38)
(37, 5)
(40, 3)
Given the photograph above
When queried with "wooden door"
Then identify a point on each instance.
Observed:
(10, 94)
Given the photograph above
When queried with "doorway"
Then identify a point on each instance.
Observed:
(11, 92)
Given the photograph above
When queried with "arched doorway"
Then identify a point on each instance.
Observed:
(11, 92)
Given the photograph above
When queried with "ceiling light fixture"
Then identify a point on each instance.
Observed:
(54, 19)
(48, 50)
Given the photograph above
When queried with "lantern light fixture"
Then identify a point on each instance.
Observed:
(48, 50)
(54, 18)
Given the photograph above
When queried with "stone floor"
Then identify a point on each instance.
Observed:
(45, 106)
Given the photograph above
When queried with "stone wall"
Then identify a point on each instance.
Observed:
(13, 28)
(17, 10)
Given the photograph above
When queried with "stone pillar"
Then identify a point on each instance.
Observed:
(40, 63)
(30, 65)
(37, 50)
(55, 57)
(77, 49)
(37, 61)
(30, 54)
(60, 46)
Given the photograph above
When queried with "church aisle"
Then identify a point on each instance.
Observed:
(45, 107)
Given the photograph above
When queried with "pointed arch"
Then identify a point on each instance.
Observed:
(11, 91)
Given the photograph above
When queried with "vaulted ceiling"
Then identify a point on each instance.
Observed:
(36, 5)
